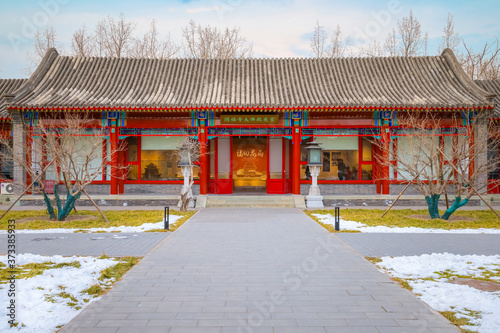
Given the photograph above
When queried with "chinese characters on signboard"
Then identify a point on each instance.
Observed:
(249, 119)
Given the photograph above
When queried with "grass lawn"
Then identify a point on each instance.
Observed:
(413, 218)
(91, 219)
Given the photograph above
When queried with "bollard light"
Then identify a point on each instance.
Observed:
(337, 218)
(166, 218)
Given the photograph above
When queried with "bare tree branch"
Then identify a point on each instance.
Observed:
(484, 64)
(450, 38)
(211, 43)
(150, 46)
(410, 37)
(44, 40)
(114, 36)
(82, 43)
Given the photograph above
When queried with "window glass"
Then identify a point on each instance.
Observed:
(7, 163)
(366, 172)
(132, 149)
(132, 172)
(275, 158)
(366, 150)
(340, 165)
(223, 157)
(211, 147)
(159, 159)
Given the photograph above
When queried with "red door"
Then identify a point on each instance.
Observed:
(223, 166)
(276, 175)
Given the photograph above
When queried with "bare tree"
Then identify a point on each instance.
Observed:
(450, 38)
(326, 44)
(59, 152)
(211, 43)
(44, 40)
(426, 41)
(319, 45)
(339, 44)
(82, 43)
(114, 36)
(150, 45)
(375, 49)
(410, 36)
(391, 45)
(435, 163)
(189, 152)
(100, 38)
(484, 64)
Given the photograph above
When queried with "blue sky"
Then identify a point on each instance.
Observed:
(279, 28)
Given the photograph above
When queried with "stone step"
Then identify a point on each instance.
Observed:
(251, 205)
(250, 201)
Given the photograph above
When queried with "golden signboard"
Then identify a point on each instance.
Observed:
(249, 119)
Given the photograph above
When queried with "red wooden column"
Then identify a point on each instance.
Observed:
(295, 166)
(29, 156)
(122, 172)
(386, 140)
(472, 149)
(204, 172)
(113, 140)
(376, 168)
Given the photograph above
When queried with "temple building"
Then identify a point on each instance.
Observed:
(255, 116)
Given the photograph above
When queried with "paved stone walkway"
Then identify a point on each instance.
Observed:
(256, 270)
(403, 244)
(85, 244)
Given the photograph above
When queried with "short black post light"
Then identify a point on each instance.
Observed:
(186, 165)
(314, 162)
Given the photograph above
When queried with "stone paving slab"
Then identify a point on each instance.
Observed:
(405, 244)
(256, 270)
(85, 244)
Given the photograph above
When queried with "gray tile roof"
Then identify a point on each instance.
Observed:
(343, 83)
(7, 86)
(493, 86)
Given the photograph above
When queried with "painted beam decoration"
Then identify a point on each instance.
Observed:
(250, 119)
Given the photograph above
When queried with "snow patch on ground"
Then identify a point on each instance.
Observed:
(142, 228)
(33, 306)
(444, 296)
(358, 226)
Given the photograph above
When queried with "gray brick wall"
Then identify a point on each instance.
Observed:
(130, 189)
(329, 189)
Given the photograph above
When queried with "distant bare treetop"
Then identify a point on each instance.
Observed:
(375, 49)
(44, 40)
(391, 44)
(324, 44)
(483, 64)
(211, 43)
(114, 36)
(82, 43)
(319, 47)
(150, 45)
(411, 41)
(450, 38)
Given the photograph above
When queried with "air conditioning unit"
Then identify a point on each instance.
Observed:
(7, 188)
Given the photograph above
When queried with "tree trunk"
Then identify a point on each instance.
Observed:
(68, 206)
(456, 205)
(184, 201)
(432, 205)
(50, 209)
(58, 199)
